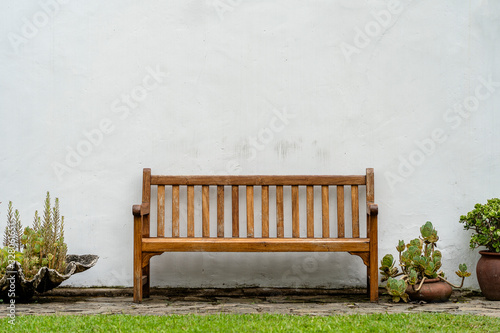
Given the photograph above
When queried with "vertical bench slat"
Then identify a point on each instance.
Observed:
(370, 191)
(220, 211)
(340, 211)
(146, 198)
(280, 230)
(175, 211)
(355, 211)
(370, 197)
(310, 211)
(250, 212)
(235, 202)
(161, 210)
(265, 211)
(325, 208)
(205, 211)
(190, 211)
(295, 212)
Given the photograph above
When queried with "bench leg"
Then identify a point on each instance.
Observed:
(145, 285)
(373, 282)
(368, 279)
(373, 264)
(138, 289)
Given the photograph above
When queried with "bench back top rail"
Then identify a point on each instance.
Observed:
(264, 182)
(258, 180)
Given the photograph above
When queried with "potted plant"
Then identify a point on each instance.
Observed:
(34, 259)
(484, 220)
(420, 275)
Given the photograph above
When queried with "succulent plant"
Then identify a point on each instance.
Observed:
(419, 260)
(397, 289)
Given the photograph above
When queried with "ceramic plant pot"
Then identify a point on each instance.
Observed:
(433, 290)
(46, 278)
(488, 275)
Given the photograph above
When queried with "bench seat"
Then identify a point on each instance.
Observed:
(255, 244)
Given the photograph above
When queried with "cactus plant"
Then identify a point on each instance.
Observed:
(419, 260)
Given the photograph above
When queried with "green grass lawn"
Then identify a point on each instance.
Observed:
(254, 323)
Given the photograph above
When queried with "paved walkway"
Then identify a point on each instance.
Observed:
(71, 301)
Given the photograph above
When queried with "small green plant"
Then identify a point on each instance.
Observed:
(485, 221)
(419, 260)
(41, 245)
(6, 260)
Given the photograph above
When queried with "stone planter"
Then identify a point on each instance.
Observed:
(433, 290)
(15, 283)
(488, 275)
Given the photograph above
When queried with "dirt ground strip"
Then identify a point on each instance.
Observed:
(72, 301)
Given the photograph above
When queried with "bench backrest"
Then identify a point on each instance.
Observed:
(173, 184)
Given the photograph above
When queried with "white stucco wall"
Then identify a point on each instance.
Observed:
(365, 84)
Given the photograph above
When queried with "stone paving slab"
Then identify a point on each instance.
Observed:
(71, 301)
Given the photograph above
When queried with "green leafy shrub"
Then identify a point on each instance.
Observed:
(41, 245)
(419, 260)
(485, 221)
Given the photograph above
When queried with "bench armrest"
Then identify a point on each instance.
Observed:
(140, 210)
(372, 209)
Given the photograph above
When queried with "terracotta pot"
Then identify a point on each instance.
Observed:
(488, 275)
(433, 290)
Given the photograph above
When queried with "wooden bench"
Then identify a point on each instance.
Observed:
(147, 246)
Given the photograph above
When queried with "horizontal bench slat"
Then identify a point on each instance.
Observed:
(258, 180)
(254, 244)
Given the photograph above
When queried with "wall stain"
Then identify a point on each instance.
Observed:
(284, 148)
(323, 155)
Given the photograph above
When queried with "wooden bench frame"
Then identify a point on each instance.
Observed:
(146, 246)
